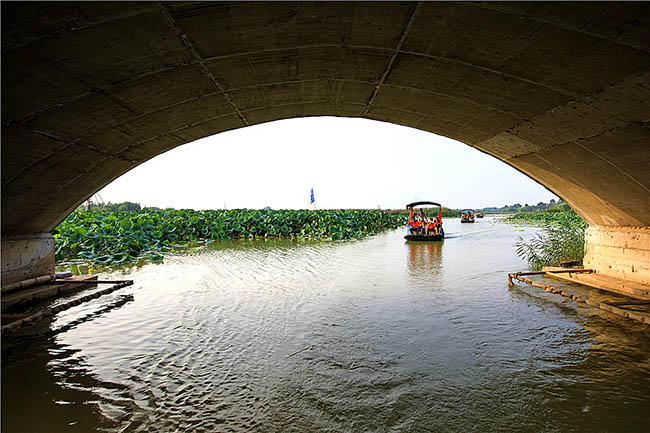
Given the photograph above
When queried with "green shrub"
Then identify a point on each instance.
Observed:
(559, 240)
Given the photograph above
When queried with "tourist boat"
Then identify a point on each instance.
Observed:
(467, 216)
(420, 229)
(480, 214)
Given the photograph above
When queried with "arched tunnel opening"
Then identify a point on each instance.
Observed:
(108, 87)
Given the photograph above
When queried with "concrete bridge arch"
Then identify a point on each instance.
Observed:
(560, 91)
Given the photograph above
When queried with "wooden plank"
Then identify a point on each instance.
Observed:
(46, 291)
(629, 302)
(563, 270)
(610, 284)
(612, 307)
(634, 315)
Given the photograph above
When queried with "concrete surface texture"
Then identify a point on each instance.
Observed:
(26, 257)
(619, 252)
(558, 90)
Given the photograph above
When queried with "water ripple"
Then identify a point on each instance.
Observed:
(371, 335)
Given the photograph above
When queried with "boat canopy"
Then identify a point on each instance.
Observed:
(420, 203)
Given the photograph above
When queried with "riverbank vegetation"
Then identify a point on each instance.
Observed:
(548, 217)
(561, 238)
(552, 205)
(102, 237)
(115, 234)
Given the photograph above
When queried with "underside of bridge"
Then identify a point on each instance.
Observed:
(560, 91)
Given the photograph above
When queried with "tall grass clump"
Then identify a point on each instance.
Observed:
(561, 239)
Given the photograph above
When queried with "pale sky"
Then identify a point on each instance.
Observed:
(350, 163)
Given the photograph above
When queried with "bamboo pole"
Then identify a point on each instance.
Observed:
(27, 283)
(528, 273)
(90, 281)
(563, 271)
(512, 275)
(14, 316)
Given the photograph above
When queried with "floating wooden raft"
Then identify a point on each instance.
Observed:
(41, 288)
(610, 284)
(47, 291)
(610, 306)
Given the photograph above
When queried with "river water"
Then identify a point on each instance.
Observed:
(375, 335)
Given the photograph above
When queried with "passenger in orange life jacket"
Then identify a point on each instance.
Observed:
(421, 224)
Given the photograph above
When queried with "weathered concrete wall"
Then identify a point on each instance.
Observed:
(558, 90)
(620, 252)
(25, 257)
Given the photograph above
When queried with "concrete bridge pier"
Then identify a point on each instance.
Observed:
(26, 256)
(619, 252)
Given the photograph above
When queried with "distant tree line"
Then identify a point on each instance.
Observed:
(553, 206)
(114, 207)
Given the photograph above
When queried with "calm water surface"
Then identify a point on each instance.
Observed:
(377, 335)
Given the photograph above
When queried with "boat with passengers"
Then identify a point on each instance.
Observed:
(421, 227)
(467, 216)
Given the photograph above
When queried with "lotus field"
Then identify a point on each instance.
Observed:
(109, 238)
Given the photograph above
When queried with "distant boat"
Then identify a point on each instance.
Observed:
(423, 228)
(467, 216)
(480, 214)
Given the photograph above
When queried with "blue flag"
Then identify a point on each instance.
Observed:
(312, 196)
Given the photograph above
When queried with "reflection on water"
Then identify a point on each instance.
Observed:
(424, 258)
(374, 335)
